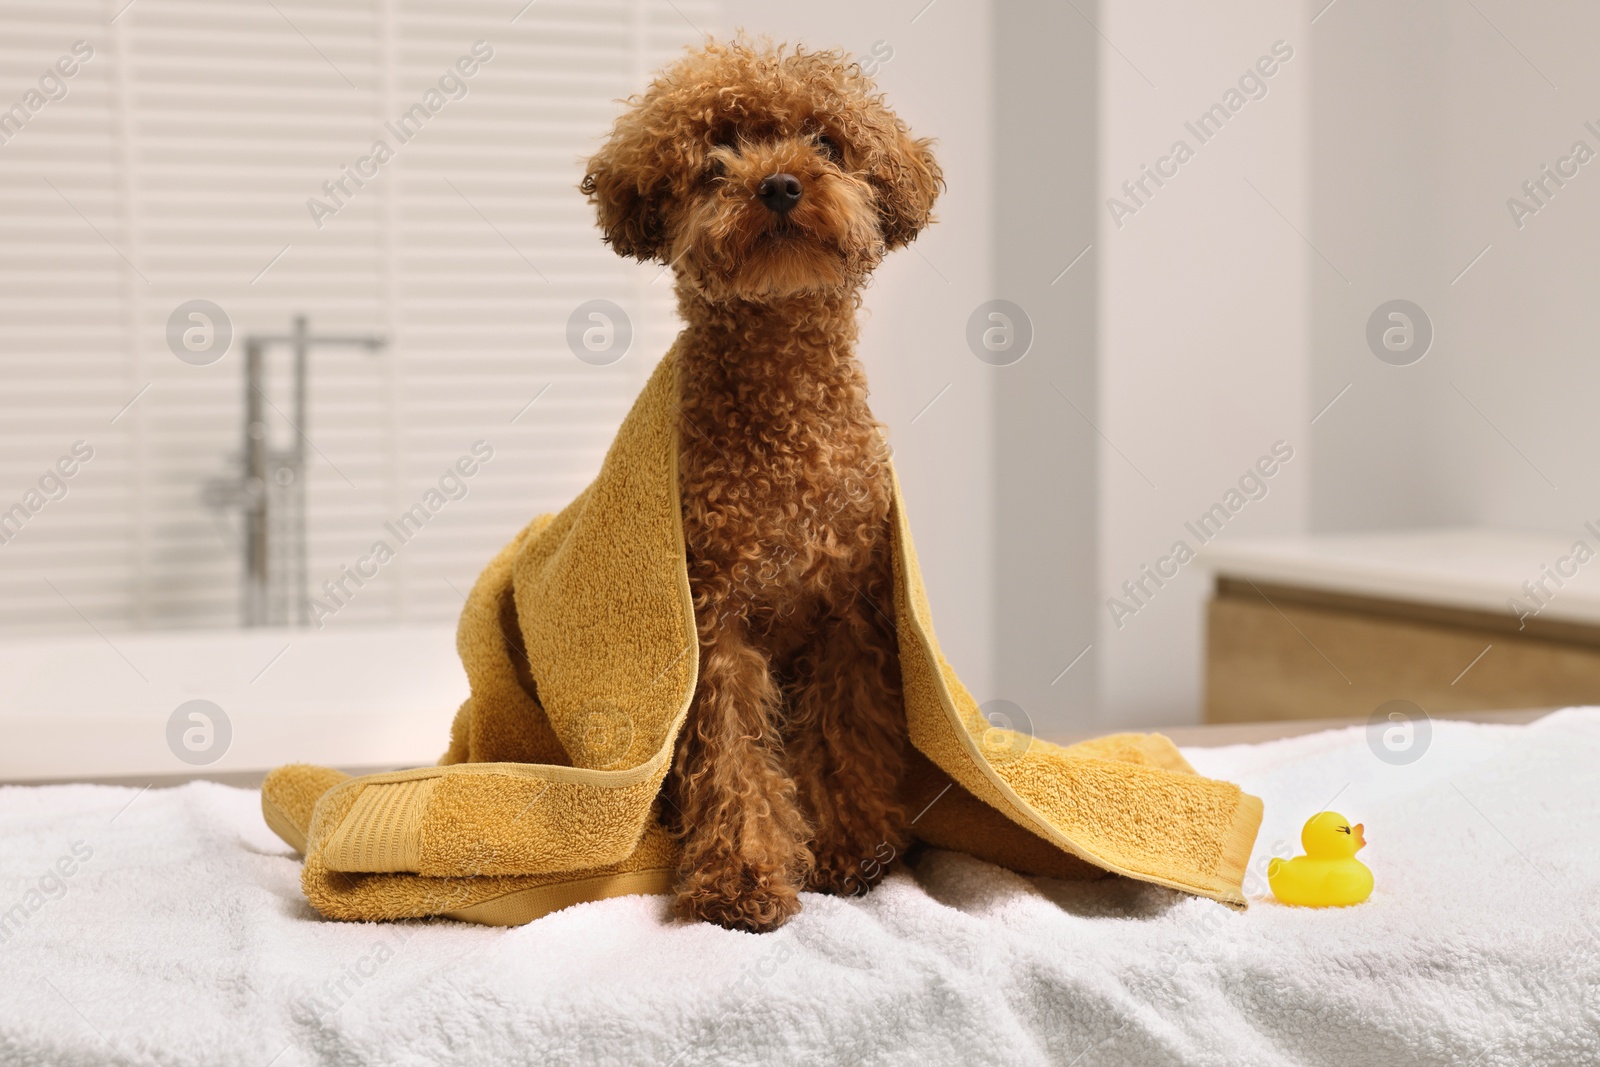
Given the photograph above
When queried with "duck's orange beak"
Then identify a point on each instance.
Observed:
(1361, 841)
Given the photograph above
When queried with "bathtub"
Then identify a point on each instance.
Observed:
(226, 703)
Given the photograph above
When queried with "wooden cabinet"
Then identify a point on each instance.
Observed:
(1324, 628)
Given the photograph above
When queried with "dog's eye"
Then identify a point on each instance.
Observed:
(831, 147)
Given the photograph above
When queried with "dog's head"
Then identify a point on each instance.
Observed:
(760, 173)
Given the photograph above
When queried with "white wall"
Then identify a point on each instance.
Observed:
(1392, 142)
(1428, 117)
(1046, 214)
(913, 338)
(1204, 305)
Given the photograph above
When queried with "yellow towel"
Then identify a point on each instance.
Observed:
(540, 803)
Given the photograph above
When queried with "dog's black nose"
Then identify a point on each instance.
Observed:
(780, 192)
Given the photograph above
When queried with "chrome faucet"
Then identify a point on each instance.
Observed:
(271, 487)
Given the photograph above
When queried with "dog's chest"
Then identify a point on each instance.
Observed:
(782, 513)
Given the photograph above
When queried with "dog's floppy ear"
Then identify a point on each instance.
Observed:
(908, 182)
(624, 189)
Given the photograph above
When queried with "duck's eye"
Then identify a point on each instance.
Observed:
(1343, 829)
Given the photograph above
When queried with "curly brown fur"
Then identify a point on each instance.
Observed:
(787, 774)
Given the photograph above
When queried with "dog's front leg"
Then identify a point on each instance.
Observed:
(744, 852)
(846, 747)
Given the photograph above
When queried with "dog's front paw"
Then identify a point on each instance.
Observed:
(849, 873)
(845, 879)
(740, 899)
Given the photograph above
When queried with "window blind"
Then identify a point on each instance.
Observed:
(225, 150)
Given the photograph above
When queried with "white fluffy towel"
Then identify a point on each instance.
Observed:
(167, 927)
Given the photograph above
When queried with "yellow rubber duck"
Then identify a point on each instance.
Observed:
(1328, 875)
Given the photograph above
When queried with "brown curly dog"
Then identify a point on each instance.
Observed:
(773, 182)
